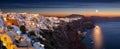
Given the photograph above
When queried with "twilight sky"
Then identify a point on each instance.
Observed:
(63, 7)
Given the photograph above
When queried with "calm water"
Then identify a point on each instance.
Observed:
(111, 35)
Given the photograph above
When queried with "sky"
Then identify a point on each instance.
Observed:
(63, 7)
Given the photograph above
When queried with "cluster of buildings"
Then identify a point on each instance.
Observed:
(31, 22)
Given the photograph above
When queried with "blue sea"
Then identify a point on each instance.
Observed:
(110, 33)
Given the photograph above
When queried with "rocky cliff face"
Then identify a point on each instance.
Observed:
(67, 35)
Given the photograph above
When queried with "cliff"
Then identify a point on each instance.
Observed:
(68, 35)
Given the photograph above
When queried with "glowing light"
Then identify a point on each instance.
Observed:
(97, 38)
(36, 14)
(5, 19)
(42, 45)
(96, 11)
(18, 32)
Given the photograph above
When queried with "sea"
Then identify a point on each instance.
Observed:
(110, 32)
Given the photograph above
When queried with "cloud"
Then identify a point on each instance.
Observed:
(38, 1)
(44, 5)
(61, 5)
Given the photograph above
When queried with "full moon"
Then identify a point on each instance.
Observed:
(96, 11)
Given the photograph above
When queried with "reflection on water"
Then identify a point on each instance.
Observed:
(110, 31)
(97, 38)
